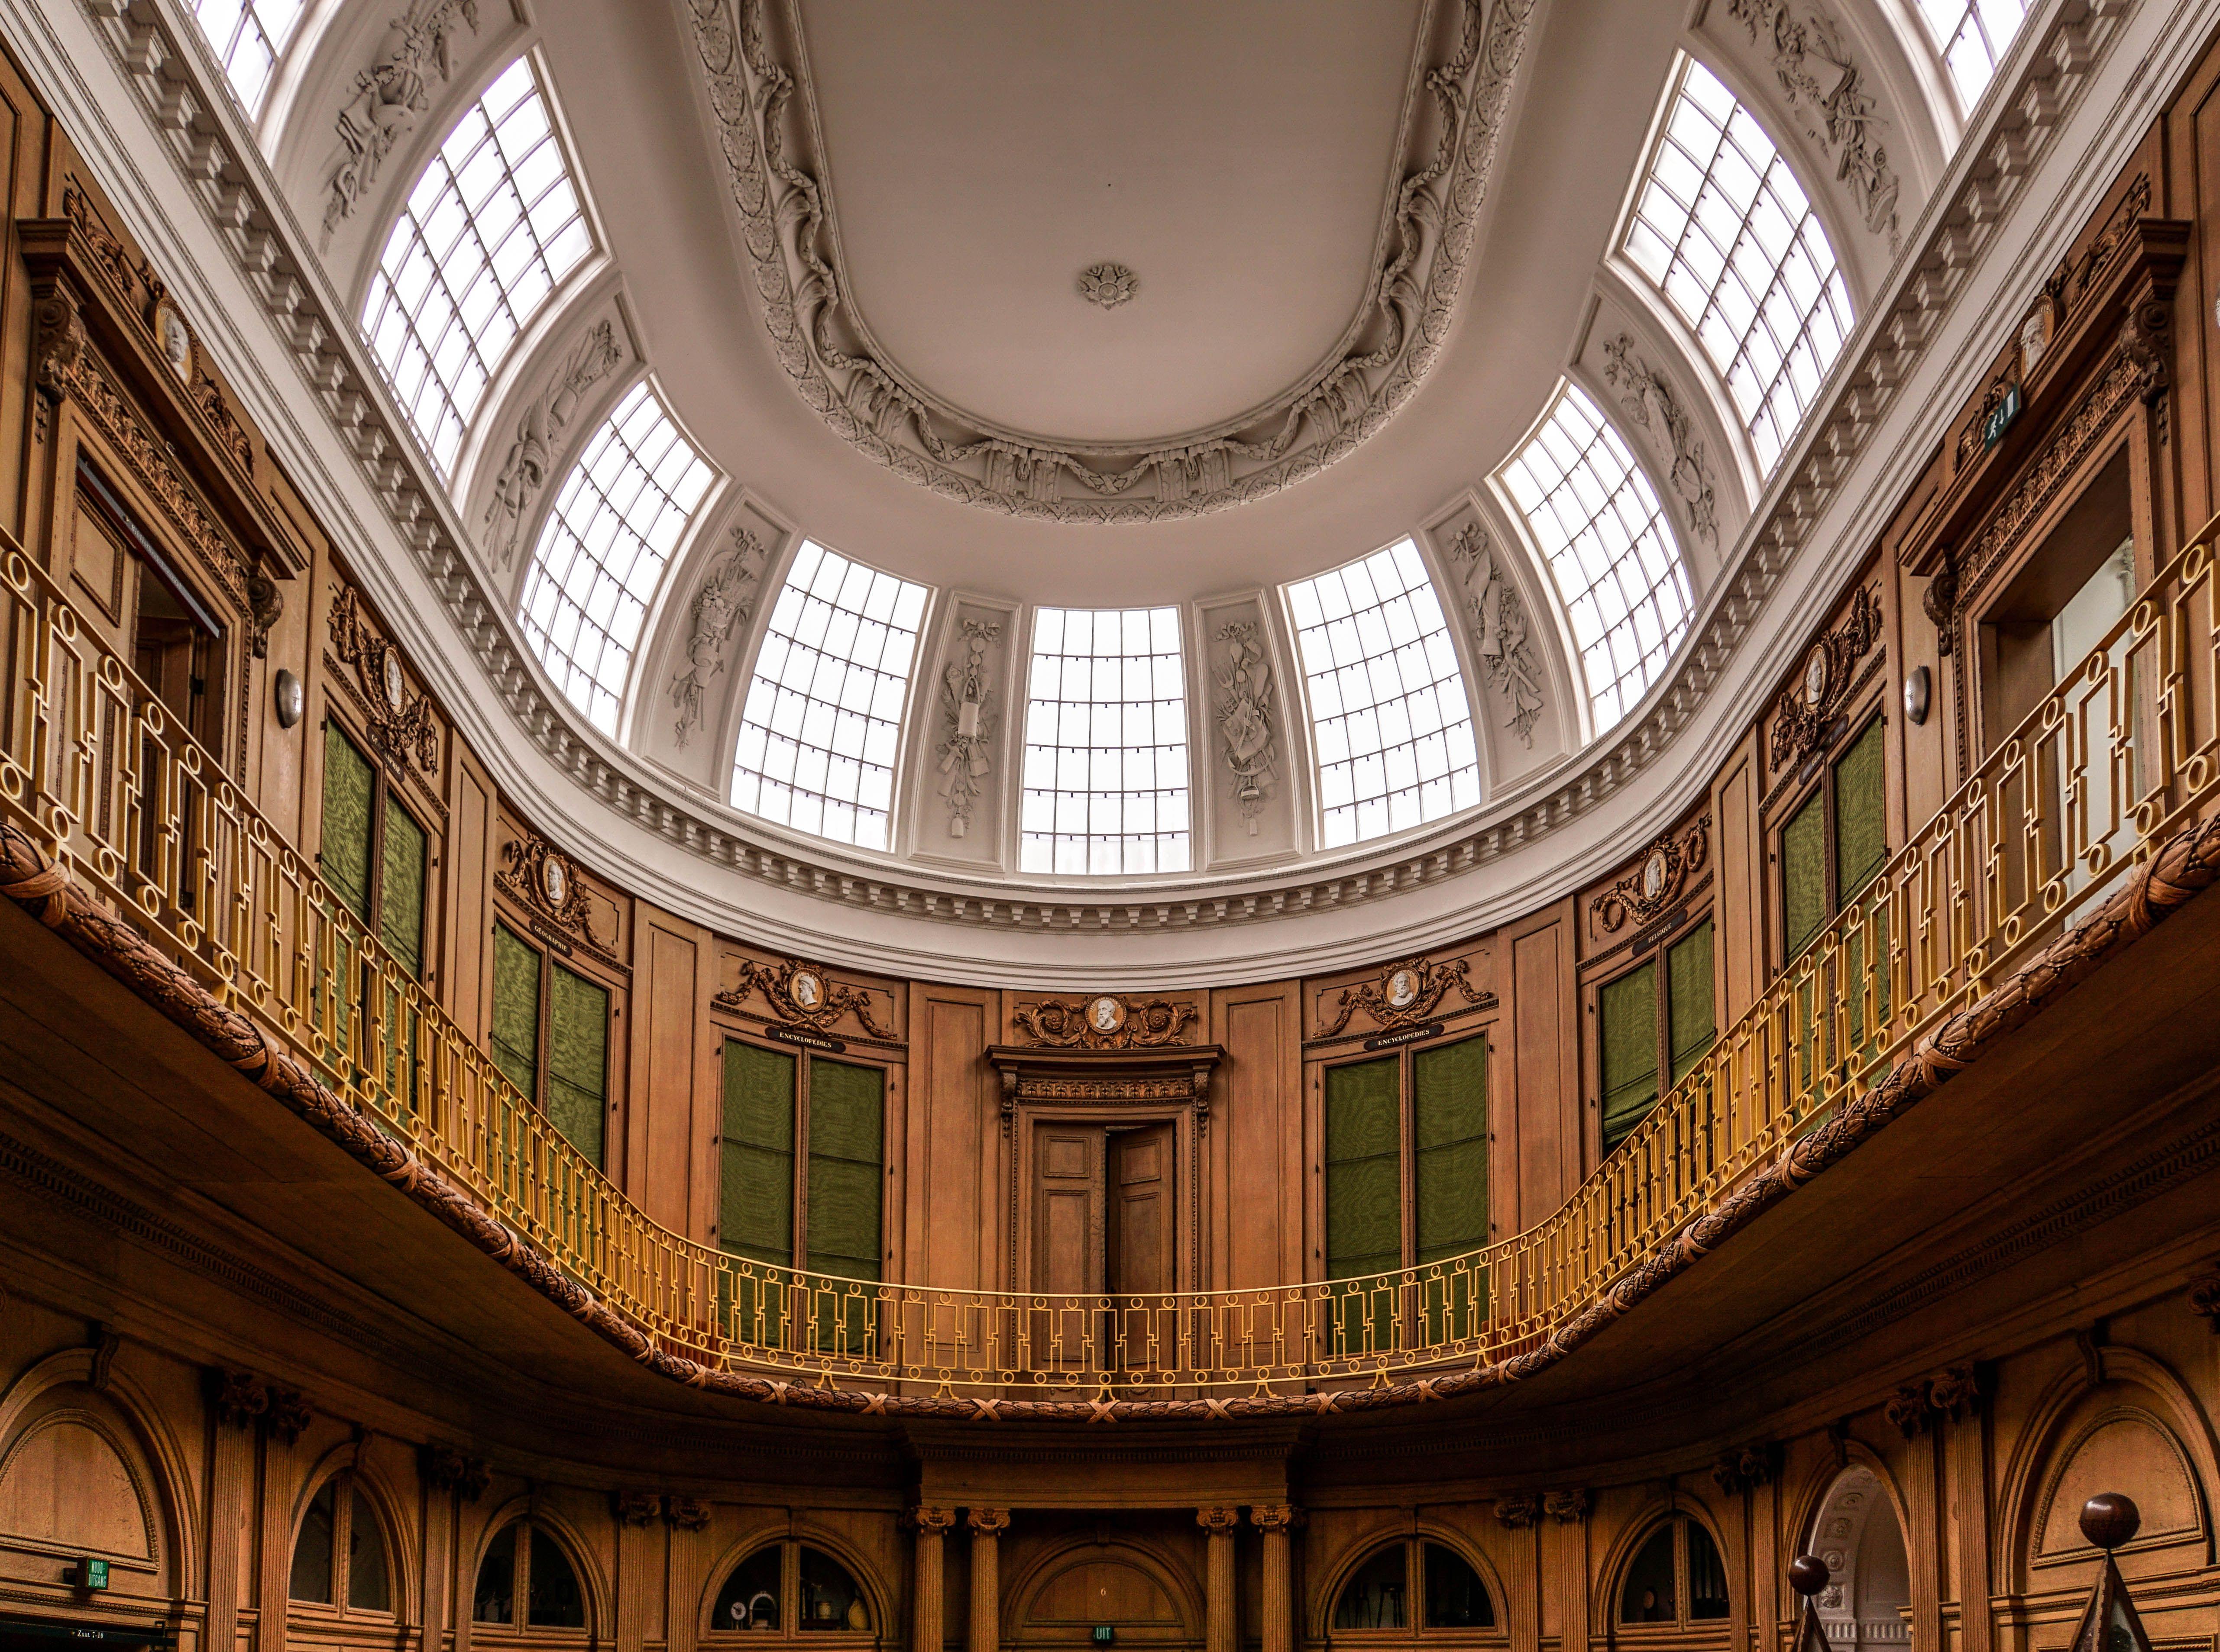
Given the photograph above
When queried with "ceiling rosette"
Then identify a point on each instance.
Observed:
(1451, 131)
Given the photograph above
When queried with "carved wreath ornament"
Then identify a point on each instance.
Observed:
(1406, 994)
(401, 728)
(1106, 1022)
(1656, 883)
(1807, 706)
(802, 995)
(762, 105)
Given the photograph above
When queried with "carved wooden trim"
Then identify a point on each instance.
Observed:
(543, 880)
(1406, 994)
(1106, 1022)
(1806, 711)
(800, 994)
(401, 727)
(1652, 886)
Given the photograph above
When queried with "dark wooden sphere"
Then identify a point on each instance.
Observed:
(1807, 1574)
(2110, 1519)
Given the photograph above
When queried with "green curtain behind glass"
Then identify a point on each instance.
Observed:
(1691, 1022)
(1449, 1143)
(755, 1191)
(1628, 1042)
(400, 890)
(1860, 813)
(848, 1174)
(578, 1060)
(1804, 876)
(348, 786)
(1363, 1197)
(516, 1011)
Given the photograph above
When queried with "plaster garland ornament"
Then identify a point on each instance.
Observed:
(1502, 638)
(1821, 83)
(726, 599)
(538, 440)
(1406, 994)
(1649, 402)
(1244, 718)
(1107, 285)
(800, 995)
(969, 717)
(1105, 1022)
(1451, 141)
(389, 96)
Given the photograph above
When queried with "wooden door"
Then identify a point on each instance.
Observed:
(1141, 1255)
(1067, 1246)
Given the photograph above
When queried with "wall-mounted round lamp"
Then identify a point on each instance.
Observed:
(1918, 689)
(285, 691)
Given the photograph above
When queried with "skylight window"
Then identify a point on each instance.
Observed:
(1726, 233)
(492, 226)
(1105, 775)
(247, 37)
(1973, 35)
(622, 510)
(1391, 723)
(822, 720)
(1597, 521)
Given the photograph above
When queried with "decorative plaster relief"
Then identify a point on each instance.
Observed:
(1406, 994)
(726, 599)
(1108, 1022)
(802, 995)
(1495, 617)
(969, 716)
(542, 879)
(538, 445)
(401, 728)
(389, 96)
(1107, 285)
(1449, 143)
(1806, 712)
(1658, 883)
(1244, 718)
(1829, 91)
(1649, 402)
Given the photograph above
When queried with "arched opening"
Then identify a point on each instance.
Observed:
(1409, 1588)
(1070, 1596)
(1867, 1601)
(1677, 1579)
(339, 1555)
(526, 1568)
(790, 1588)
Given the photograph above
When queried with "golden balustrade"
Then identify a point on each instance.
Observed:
(96, 771)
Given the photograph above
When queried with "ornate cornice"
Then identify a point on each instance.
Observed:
(223, 171)
(764, 109)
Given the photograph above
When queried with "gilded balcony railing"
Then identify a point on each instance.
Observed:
(96, 769)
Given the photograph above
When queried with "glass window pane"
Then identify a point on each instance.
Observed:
(248, 37)
(312, 1550)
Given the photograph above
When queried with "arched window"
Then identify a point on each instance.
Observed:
(622, 511)
(491, 228)
(248, 37)
(525, 1565)
(789, 1588)
(1616, 565)
(1412, 1585)
(1391, 722)
(1724, 229)
(1676, 1578)
(1973, 35)
(338, 1556)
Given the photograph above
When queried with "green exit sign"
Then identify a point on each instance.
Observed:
(2001, 417)
(92, 1575)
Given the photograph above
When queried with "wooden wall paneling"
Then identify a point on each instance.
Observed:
(1926, 1541)
(670, 1122)
(231, 1483)
(644, 1574)
(1541, 1021)
(23, 145)
(274, 1544)
(1738, 899)
(1965, 1452)
(466, 982)
(1525, 1582)
(2193, 190)
(955, 1147)
(1256, 1148)
(435, 1571)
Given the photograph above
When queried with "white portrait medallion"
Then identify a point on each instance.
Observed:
(1105, 1014)
(1402, 988)
(807, 989)
(392, 673)
(1655, 871)
(554, 881)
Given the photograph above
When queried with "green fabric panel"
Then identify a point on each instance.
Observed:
(401, 891)
(755, 1195)
(1448, 1131)
(516, 1011)
(1860, 813)
(1363, 1199)
(348, 783)
(578, 1060)
(847, 1116)
(1690, 1023)
(1627, 1041)
(1803, 876)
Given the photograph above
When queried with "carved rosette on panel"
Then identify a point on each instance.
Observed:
(1649, 402)
(1807, 708)
(1105, 1022)
(387, 98)
(401, 726)
(1495, 618)
(969, 717)
(1406, 994)
(726, 599)
(542, 879)
(538, 444)
(1830, 91)
(1656, 883)
(761, 103)
(1244, 718)
(802, 995)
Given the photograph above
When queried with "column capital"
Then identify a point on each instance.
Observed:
(987, 1523)
(1217, 1522)
(1275, 1516)
(931, 1522)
